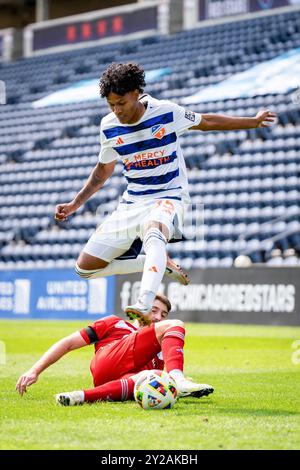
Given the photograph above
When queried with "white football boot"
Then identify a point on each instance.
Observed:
(188, 388)
(176, 273)
(139, 311)
(70, 398)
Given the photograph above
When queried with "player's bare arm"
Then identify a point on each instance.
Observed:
(219, 122)
(57, 350)
(96, 180)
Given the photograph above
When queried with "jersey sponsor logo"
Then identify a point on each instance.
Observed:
(190, 115)
(146, 155)
(120, 141)
(146, 160)
(158, 131)
(147, 163)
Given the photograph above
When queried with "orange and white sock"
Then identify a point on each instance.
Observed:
(154, 267)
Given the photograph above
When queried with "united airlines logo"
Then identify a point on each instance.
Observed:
(158, 131)
(15, 296)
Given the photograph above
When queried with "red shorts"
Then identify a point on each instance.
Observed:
(129, 355)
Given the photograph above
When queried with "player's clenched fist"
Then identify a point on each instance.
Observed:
(63, 210)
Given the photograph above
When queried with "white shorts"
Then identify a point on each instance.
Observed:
(126, 224)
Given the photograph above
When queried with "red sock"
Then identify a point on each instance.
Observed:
(117, 390)
(172, 348)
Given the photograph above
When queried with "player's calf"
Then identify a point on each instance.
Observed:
(116, 390)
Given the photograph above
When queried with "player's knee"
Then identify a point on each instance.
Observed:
(87, 273)
(173, 323)
(153, 236)
(86, 263)
(84, 273)
(162, 326)
(153, 224)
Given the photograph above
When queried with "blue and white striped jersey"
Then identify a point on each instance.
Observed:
(150, 151)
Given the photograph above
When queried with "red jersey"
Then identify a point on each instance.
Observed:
(106, 331)
(116, 348)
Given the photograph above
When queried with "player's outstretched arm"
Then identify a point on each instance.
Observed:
(219, 122)
(59, 349)
(101, 172)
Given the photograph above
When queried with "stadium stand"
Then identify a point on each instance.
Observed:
(248, 181)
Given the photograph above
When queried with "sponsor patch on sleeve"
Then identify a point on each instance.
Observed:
(190, 115)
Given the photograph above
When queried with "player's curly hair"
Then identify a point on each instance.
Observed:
(122, 78)
(164, 300)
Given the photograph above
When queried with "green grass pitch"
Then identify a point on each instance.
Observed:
(256, 404)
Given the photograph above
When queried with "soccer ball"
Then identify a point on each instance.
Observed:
(155, 390)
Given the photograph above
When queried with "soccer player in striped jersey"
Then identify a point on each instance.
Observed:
(143, 133)
(122, 351)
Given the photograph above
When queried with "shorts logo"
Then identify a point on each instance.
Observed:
(190, 115)
(166, 206)
(120, 141)
(153, 269)
(158, 131)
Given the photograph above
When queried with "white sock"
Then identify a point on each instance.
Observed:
(154, 267)
(80, 395)
(116, 266)
(176, 374)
